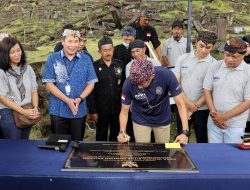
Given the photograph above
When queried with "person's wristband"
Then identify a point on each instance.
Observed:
(81, 98)
(186, 132)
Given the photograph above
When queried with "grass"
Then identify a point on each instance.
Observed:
(43, 52)
(40, 54)
(220, 6)
(90, 134)
(170, 15)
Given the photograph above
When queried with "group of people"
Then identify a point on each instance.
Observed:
(126, 92)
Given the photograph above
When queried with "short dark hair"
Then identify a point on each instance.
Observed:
(5, 46)
(177, 23)
(208, 37)
(67, 26)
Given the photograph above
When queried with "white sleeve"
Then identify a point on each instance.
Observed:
(165, 48)
(177, 69)
(247, 89)
(32, 76)
(127, 70)
(208, 81)
(4, 88)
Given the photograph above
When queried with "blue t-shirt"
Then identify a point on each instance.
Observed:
(76, 73)
(151, 106)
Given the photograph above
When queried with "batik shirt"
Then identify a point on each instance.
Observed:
(76, 73)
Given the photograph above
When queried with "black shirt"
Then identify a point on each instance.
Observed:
(58, 47)
(106, 97)
(147, 33)
(122, 53)
(247, 59)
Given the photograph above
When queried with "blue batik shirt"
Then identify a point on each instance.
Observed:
(77, 73)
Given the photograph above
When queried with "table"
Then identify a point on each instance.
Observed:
(24, 166)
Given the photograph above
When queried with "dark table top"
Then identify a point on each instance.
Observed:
(22, 157)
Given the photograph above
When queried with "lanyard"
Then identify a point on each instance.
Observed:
(67, 68)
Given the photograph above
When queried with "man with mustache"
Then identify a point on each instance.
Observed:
(175, 46)
(146, 32)
(105, 100)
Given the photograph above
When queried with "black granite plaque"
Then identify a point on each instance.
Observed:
(112, 157)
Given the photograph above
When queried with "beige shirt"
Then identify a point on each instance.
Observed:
(173, 49)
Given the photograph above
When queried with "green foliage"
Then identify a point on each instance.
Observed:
(170, 15)
(220, 6)
(78, 1)
(48, 28)
(40, 54)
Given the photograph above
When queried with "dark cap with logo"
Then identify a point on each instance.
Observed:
(148, 13)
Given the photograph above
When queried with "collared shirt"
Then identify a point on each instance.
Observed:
(122, 53)
(76, 73)
(154, 61)
(230, 87)
(173, 49)
(151, 106)
(7, 80)
(106, 97)
(146, 34)
(192, 73)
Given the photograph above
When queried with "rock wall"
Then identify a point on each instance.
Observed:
(40, 21)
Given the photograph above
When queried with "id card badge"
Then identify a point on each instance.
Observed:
(119, 82)
(67, 89)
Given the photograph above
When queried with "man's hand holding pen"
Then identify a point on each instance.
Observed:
(123, 137)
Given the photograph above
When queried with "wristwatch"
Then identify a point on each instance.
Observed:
(186, 132)
(81, 98)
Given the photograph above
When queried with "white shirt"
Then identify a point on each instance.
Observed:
(230, 87)
(173, 49)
